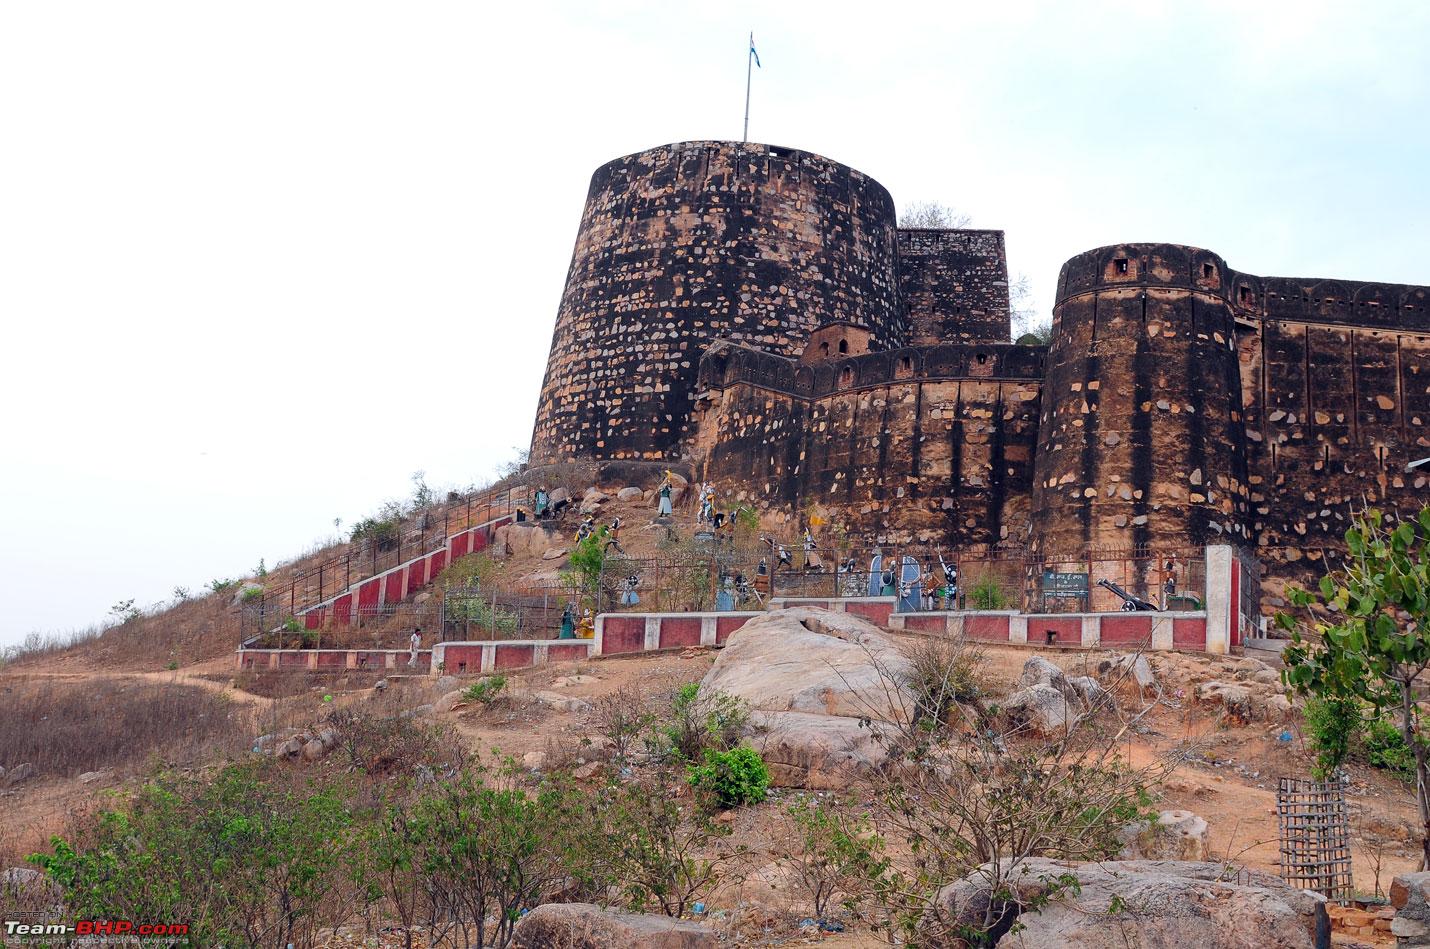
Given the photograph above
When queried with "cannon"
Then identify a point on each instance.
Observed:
(1130, 603)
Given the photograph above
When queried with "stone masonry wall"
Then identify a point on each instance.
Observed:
(687, 243)
(931, 444)
(1335, 378)
(955, 285)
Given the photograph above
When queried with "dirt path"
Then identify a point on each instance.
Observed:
(190, 675)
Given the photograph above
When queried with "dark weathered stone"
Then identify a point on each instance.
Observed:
(753, 315)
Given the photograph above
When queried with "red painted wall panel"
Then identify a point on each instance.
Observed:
(393, 593)
(1069, 630)
(986, 628)
(292, 659)
(623, 634)
(435, 563)
(313, 619)
(372, 660)
(877, 613)
(416, 576)
(513, 657)
(480, 539)
(566, 653)
(461, 659)
(343, 610)
(682, 631)
(1126, 628)
(1189, 633)
(926, 624)
(368, 597)
(332, 660)
(460, 543)
(725, 625)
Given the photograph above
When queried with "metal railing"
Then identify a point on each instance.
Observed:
(394, 543)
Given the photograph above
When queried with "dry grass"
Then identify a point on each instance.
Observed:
(66, 728)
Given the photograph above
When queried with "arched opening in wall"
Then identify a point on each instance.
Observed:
(905, 366)
(1208, 272)
(982, 358)
(718, 366)
(843, 347)
(1244, 295)
(846, 376)
(824, 349)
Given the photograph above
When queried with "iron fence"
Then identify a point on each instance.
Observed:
(382, 548)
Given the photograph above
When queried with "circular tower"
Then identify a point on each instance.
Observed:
(684, 244)
(1141, 435)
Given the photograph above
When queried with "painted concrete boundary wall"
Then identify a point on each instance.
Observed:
(399, 582)
(332, 660)
(1183, 631)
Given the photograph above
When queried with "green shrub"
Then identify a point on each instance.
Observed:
(243, 861)
(1338, 731)
(381, 531)
(986, 594)
(700, 721)
(217, 585)
(1385, 747)
(484, 690)
(292, 625)
(731, 778)
(252, 593)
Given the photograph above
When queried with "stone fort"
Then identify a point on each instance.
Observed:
(755, 315)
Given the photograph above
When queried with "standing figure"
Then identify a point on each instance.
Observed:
(613, 536)
(707, 502)
(568, 621)
(811, 552)
(1169, 586)
(931, 588)
(950, 586)
(415, 643)
(541, 502)
(587, 528)
(725, 595)
(888, 577)
(664, 493)
(629, 596)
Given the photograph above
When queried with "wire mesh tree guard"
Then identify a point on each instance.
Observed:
(1314, 826)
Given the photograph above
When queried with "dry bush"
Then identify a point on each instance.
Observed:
(942, 673)
(396, 744)
(69, 728)
(621, 717)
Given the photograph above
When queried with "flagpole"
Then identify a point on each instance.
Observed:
(749, 66)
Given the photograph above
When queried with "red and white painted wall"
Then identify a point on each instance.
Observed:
(1217, 629)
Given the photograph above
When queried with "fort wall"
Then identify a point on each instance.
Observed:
(684, 244)
(928, 444)
(955, 285)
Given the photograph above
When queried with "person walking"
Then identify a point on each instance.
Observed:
(415, 643)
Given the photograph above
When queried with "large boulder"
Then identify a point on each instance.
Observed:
(1147, 904)
(1041, 708)
(815, 661)
(530, 540)
(631, 493)
(19, 774)
(30, 891)
(802, 750)
(1174, 835)
(1410, 895)
(587, 926)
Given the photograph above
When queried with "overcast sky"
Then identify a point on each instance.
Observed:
(261, 261)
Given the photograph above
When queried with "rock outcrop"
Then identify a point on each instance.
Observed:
(1149, 904)
(815, 661)
(1410, 895)
(587, 926)
(816, 681)
(1174, 835)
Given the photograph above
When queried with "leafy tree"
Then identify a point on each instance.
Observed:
(1373, 620)
(124, 611)
(242, 861)
(730, 778)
